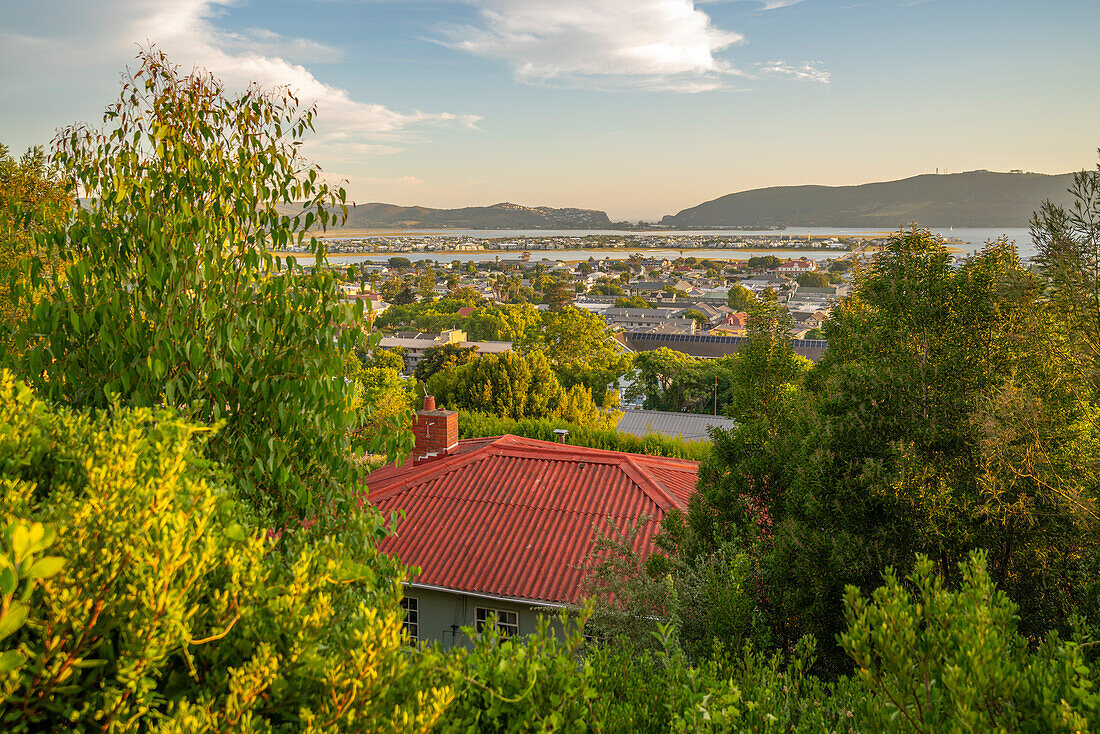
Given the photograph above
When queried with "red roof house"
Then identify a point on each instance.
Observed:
(503, 524)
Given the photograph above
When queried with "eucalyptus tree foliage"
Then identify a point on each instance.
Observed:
(170, 294)
(1068, 241)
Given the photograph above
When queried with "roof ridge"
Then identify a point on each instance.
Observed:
(636, 466)
(442, 464)
(651, 486)
(519, 441)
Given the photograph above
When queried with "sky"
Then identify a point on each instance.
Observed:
(636, 107)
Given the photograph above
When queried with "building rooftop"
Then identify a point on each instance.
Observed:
(515, 517)
(690, 426)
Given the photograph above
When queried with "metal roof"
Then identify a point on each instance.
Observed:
(515, 517)
(692, 426)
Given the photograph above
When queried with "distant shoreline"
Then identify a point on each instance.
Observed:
(546, 254)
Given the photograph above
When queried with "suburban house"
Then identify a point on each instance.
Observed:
(501, 526)
(734, 323)
(797, 267)
(709, 346)
(629, 319)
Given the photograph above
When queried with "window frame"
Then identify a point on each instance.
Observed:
(411, 627)
(505, 628)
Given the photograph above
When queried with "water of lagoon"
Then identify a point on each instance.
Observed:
(972, 238)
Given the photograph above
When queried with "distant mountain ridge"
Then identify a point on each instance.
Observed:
(498, 216)
(971, 199)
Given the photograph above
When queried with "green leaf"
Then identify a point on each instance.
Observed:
(46, 567)
(11, 660)
(236, 532)
(8, 581)
(13, 620)
(20, 542)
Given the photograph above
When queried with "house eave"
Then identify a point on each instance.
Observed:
(490, 597)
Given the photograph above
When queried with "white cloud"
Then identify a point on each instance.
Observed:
(606, 44)
(764, 4)
(776, 4)
(809, 71)
(93, 41)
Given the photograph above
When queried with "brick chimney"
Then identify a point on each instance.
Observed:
(436, 431)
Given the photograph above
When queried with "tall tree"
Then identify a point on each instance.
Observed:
(580, 348)
(509, 385)
(1068, 243)
(441, 357)
(739, 297)
(939, 422)
(33, 200)
(171, 294)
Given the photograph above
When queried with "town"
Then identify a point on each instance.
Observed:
(339, 243)
(646, 302)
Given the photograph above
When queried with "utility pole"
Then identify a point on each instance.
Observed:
(716, 394)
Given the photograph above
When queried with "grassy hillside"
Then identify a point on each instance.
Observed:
(972, 199)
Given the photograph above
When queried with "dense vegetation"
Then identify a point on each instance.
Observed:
(474, 425)
(901, 537)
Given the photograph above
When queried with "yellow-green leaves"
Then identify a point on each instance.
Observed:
(21, 565)
(168, 611)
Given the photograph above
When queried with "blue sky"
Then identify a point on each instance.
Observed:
(637, 107)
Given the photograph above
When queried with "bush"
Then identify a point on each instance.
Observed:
(476, 425)
(938, 660)
(166, 610)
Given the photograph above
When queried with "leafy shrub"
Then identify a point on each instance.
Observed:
(935, 660)
(529, 683)
(474, 425)
(167, 612)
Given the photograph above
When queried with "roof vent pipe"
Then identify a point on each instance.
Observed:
(561, 433)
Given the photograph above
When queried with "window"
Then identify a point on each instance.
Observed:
(412, 617)
(507, 622)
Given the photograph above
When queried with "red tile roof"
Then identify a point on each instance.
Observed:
(515, 517)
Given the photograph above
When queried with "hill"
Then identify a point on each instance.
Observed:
(972, 199)
(497, 216)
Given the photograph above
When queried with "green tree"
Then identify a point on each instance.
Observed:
(170, 294)
(766, 372)
(443, 357)
(632, 302)
(1068, 244)
(559, 294)
(606, 289)
(377, 358)
(509, 322)
(739, 297)
(765, 262)
(506, 384)
(933, 660)
(404, 296)
(701, 320)
(813, 280)
(399, 263)
(580, 348)
(425, 284)
(33, 201)
(943, 424)
(665, 379)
